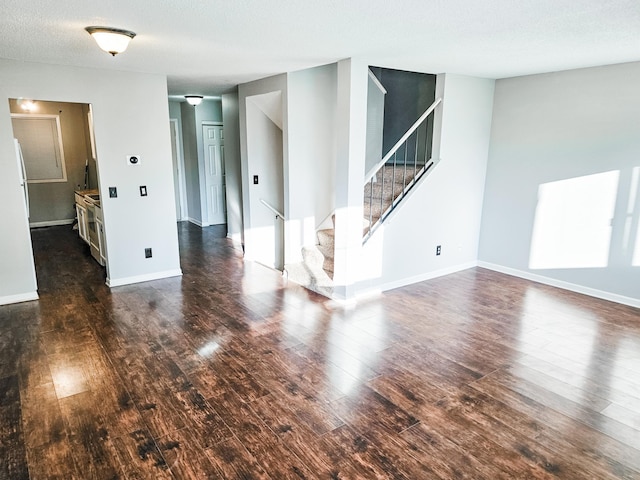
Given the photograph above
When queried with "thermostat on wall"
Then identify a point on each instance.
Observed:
(133, 159)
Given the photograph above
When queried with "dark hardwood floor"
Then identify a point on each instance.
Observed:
(230, 373)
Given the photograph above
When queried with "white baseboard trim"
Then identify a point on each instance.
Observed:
(366, 294)
(118, 282)
(21, 297)
(592, 292)
(52, 223)
(198, 222)
(417, 278)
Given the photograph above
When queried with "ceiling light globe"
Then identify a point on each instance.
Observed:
(194, 99)
(111, 40)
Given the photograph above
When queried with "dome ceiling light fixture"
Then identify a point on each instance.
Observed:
(111, 40)
(26, 104)
(194, 99)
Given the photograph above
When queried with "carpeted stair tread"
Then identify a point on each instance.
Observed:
(327, 237)
(328, 254)
(315, 272)
(380, 195)
(312, 257)
(326, 247)
(315, 279)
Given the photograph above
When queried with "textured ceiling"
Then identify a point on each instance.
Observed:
(209, 46)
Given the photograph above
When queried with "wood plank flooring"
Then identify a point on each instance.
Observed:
(230, 373)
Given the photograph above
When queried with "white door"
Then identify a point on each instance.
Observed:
(214, 173)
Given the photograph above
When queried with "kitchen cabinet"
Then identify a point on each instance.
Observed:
(102, 251)
(91, 223)
(83, 229)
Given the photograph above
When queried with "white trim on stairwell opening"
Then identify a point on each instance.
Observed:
(375, 80)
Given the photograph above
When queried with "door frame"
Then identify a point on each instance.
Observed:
(182, 186)
(209, 123)
(255, 214)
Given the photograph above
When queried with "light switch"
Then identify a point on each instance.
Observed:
(255, 179)
(113, 192)
(143, 190)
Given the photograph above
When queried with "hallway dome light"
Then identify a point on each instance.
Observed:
(111, 40)
(194, 99)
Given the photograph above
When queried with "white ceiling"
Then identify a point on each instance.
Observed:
(208, 46)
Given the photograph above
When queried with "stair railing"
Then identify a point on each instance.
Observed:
(272, 208)
(398, 171)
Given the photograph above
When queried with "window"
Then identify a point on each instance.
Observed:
(41, 143)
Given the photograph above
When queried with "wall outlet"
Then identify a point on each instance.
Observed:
(113, 192)
(148, 253)
(438, 249)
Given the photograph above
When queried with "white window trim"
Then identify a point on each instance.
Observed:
(63, 165)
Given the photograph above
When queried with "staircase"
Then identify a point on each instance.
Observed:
(382, 191)
(399, 171)
(315, 272)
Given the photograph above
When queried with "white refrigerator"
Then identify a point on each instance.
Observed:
(22, 171)
(22, 174)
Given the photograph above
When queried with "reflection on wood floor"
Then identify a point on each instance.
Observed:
(228, 372)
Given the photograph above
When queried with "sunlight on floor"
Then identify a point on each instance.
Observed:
(551, 324)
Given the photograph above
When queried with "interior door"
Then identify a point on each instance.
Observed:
(213, 139)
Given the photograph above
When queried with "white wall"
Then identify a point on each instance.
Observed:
(174, 109)
(312, 152)
(264, 149)
(130, 117)
(445, 209)
(351, 144)
(233, 178)
(562, 200)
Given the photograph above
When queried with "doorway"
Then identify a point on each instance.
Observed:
(55, 144)
(264, 240)
(213, 143)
